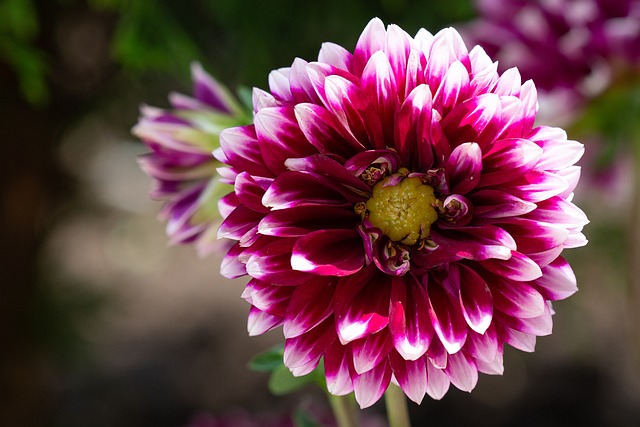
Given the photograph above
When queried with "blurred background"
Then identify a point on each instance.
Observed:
(102, 323)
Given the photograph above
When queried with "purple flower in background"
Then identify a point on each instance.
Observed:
(573, 47)
(181, 162)
(399, 214)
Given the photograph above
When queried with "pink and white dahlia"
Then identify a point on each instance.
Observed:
(399, 214)
(180, 162)
(571, 46)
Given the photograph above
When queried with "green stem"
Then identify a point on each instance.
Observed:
(344, 410)
(397, 409)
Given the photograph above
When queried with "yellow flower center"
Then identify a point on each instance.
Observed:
(405, 211)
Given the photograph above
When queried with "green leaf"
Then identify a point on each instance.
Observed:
(283, 382)
(269, 360)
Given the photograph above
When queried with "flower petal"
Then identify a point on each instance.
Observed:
(519, 267)
(411, 376)
(302, 353)
(295, 222)
(462, 371)
(259, 322)
(476, 242)
(557, 281)
(370, 351)
(309, 305)
(463, 168)
(448, 322)
(371, 385)
(362, 304)
(409, 321)
(324, 132)
(437, 382)
(280, 137)
(475, 300)
(337, 362)
(328, 253)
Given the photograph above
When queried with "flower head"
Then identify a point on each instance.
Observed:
(180, 162)
(399, 214)
(568, 46)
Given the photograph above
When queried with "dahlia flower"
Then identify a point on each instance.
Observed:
(572, 46)
(399, 214)
(180, 162)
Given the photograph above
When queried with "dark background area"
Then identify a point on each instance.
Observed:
(103, 324)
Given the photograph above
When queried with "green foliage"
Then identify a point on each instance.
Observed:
(269, 360)
(283, 382)
(18, 29)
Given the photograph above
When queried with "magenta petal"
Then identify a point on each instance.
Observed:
(335, 55)
(354, 110)
(260, 322)
(517, 299)
(446, 48)
(231, 266)
(310, 304)
(557, 210)
(267, 297)
(294, 189)
(250, 191)
(411, 376)
(305, 351)
(462, 371)
(516, 339)
(536, 186)
(362, 304)
(280, 137)
(507, 159)
(302, 89)
(242, 150)
(328, 253)
(379, 81)
(448, 322)
(272, 263)
(476, 119)
(475, 299)
(412, 128)
(370, 351)
(239, 222)
(279, 84)
(540, 325)
(557, 281)
(409, 321)
(535, 236)
(484, 346)
(294, 222)
(371, 385)
(337, 360)
(519, 267)
(464, 167)
(454, 87)
(437, 382)
(492, 367)
(324, 132)
(372, 39)
(476, 242)
(398, 49)
(491, 204)
(349, 185)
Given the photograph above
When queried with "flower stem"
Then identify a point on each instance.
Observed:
(344, 410)
(397, 409)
